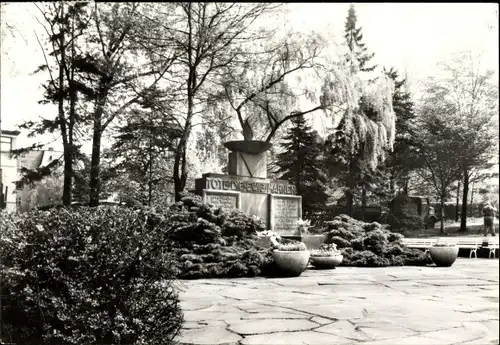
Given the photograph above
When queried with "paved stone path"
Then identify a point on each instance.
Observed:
(394, 305)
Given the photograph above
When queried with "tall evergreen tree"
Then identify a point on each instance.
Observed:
(353, 36)
(64, 24)
(301, 163)
(142, 150)
(403, 159)
(351, 149)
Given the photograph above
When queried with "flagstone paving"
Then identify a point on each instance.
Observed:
(347, 305)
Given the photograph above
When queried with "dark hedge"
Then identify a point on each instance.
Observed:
(87, 276)
(210, 243)
(371, 244)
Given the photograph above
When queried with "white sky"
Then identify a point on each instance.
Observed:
(407, 36)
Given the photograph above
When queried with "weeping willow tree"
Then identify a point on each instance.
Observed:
(306, 75)
(359, 144)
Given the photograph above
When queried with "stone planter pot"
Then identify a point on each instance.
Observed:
(444, 256)
(326, 262)
(291, 263)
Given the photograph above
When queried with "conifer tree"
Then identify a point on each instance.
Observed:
(357, 48)
(64, 25)
(355, 149)
(301, 163)
(403, 159)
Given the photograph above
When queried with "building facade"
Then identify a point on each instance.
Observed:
(10, 167)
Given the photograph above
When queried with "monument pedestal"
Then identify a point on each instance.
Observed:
(247, 164)
(248, 189)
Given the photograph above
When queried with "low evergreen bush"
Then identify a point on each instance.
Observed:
(371, 244)
(86, 276)
(210, 243)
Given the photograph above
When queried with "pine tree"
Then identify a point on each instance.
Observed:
(301, 163)
(354, 38)
(141, 151)
(403, 159)
(64, 24)
(355, 149)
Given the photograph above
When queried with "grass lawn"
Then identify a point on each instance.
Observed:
(451, 228)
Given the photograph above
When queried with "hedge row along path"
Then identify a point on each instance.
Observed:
(348, 305)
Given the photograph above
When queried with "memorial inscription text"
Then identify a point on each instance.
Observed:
(285, 213)
(250, 187)
(227, 202)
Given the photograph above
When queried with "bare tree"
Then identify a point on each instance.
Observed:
(438, 149)
(208, 38)
(470, 88)
(63, 26)
(118, 74)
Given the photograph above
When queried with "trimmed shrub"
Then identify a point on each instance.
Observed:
(210, 243)
(87, 276)
(371, 244)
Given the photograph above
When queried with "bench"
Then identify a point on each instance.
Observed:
(492, 246)
(419, 243)
(472, 243)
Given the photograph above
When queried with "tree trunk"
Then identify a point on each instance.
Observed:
(350, 187)
(456, 205)
(68, 178)
(406, 187)
(349, 202)
(150, 179)
(442, 215)
(180, 173)
(392, 186)
(66, 197)
(95, 188)
(472, 199)
(465, 192)
(363, 203)
(69, 150)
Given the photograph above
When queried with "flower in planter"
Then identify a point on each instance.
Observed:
(291, 257)
(303, 226)
(291, 247)
(326, 257)
(326, 250)
(267, 233)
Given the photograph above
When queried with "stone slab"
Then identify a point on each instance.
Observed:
(374, 305)
(247, 164)
(208, 336)
(271, 326)
(256, 205)
(284, 212)
(345, 329)
(385, 331)
(304, 338)
(226, 200)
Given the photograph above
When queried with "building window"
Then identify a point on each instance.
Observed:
(6, 144)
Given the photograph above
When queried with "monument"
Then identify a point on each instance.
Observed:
(248, 189)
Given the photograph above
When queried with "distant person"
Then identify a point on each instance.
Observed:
(489, 216)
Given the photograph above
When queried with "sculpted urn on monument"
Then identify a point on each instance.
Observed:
(248, 189)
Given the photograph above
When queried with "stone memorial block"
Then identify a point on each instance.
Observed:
(248, 189)
(257, 205)
(285, 210)
(227, 200)
(245, 164)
